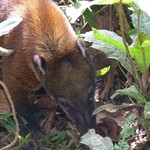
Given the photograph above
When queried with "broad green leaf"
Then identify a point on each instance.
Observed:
(9, 24)
(136, 51)
(90, 18)
(144, 22)
(96, 142)
(132, 92)
(143, 5)
(128, 2)
(147, 110)
(111, 44)
(107, 44)
(146, 43)
(102, 72)
(109, 37)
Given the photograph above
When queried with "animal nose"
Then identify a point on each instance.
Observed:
(86, 122)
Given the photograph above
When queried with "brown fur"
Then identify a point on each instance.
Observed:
(45, 32)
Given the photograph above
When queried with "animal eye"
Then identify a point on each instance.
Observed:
(63, 103)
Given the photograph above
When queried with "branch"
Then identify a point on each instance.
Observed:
(121, 20)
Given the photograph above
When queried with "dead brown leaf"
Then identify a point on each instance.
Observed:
(110, 123)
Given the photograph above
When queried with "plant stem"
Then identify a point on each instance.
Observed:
(144, 82)
(120, 13)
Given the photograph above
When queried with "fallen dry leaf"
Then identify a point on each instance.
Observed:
(110, 123)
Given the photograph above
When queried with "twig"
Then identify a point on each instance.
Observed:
(14, 116)
(120, 13)
(101, 10)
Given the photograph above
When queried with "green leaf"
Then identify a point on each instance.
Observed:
(125, 133)
(136, 50)
(23, 141)
(130, 118)
(23, 120)
(102, 72)
(109, 37)
(6, 121)
(122, 145)
(109, 43)
(146, 43)
(6, 115)
(90, 18)
(127, 130)
(132, 92)
(144, 22)
(9, 24)
(142, 41)
(106, 2)
(110, 2)
(133, 34)
(128, 2)
(96, 142)
(147, 110)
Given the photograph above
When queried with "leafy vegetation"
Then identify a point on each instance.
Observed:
(61, 140)
(7, 122)
(125, 133)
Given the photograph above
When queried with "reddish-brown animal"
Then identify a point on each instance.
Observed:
(47, 54)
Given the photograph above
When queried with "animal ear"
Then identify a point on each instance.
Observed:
(39, 64)
(81, 47)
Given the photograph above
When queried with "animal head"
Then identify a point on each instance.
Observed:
(70, 80)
